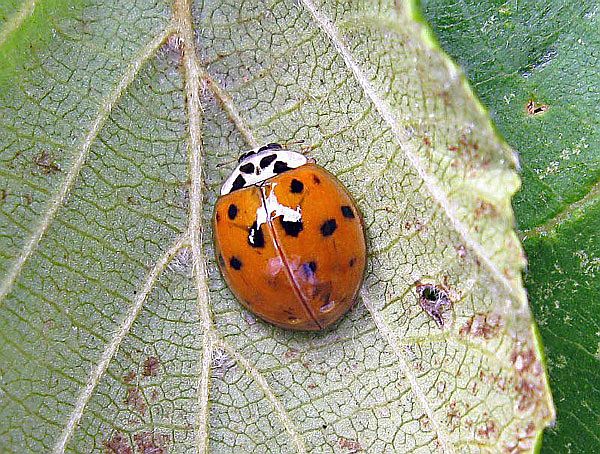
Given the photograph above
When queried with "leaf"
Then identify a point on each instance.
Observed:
(547, 53)
(118, 334)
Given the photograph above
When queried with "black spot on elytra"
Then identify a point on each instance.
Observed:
(292, 228)
(328, 227)
(256, 237)
(352, 262)
(235, 263)
(296, 186)
(347, 212)
(232, 211)
(280, 167)
(238, 183)
(247, 168)
(267, 160)
(270, 146)
(312, 266)
(316, 179)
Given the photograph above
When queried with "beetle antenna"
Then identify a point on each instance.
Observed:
(226, 163)
(292, 142)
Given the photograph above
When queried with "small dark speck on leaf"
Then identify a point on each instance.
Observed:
(534, 108)
(46, 163)
(434, 300)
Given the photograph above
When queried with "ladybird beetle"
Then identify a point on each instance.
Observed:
(289, 239)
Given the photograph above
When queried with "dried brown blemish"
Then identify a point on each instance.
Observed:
(46, 163)
(312, 386)
(151, 367)
(129, 377)
(453, 416)
(461, 250)
(350, 445)
(526, 361)
(435, 300)
(3, 195)
(118, 444)
(533, 108)
(291, 353)
(523, 442)
(528, 381)
(154, 395)
(485, 209)
(426, 141)
(136, 400)
(489, 430)
(485, 326)
(425, 423)
(151, 442)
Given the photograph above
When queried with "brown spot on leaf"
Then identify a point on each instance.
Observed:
(46, 163)
(488, 430)
(135, 399)
(461, 250)
(485, 209)
(151, 366)
(291, 353)
(151, 442)
(118, 444)
(523, 442)
(529, 383)
(533, 108)
(485, 326)
(351, 446)
(129, 377)
(453, 416)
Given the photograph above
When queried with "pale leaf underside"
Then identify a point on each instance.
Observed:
(118, 332)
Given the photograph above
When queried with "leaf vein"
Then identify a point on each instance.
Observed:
(98, 371)
(192, 77)
(14, 22)
(260, 380)
(60, 197)
(394, 344)
(387, 114)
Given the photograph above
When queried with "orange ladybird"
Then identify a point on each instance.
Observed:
(289, 239)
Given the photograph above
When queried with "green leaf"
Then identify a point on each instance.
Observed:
(117, 331)
(547, 53)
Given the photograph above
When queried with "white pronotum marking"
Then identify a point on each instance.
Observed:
(273, 208)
